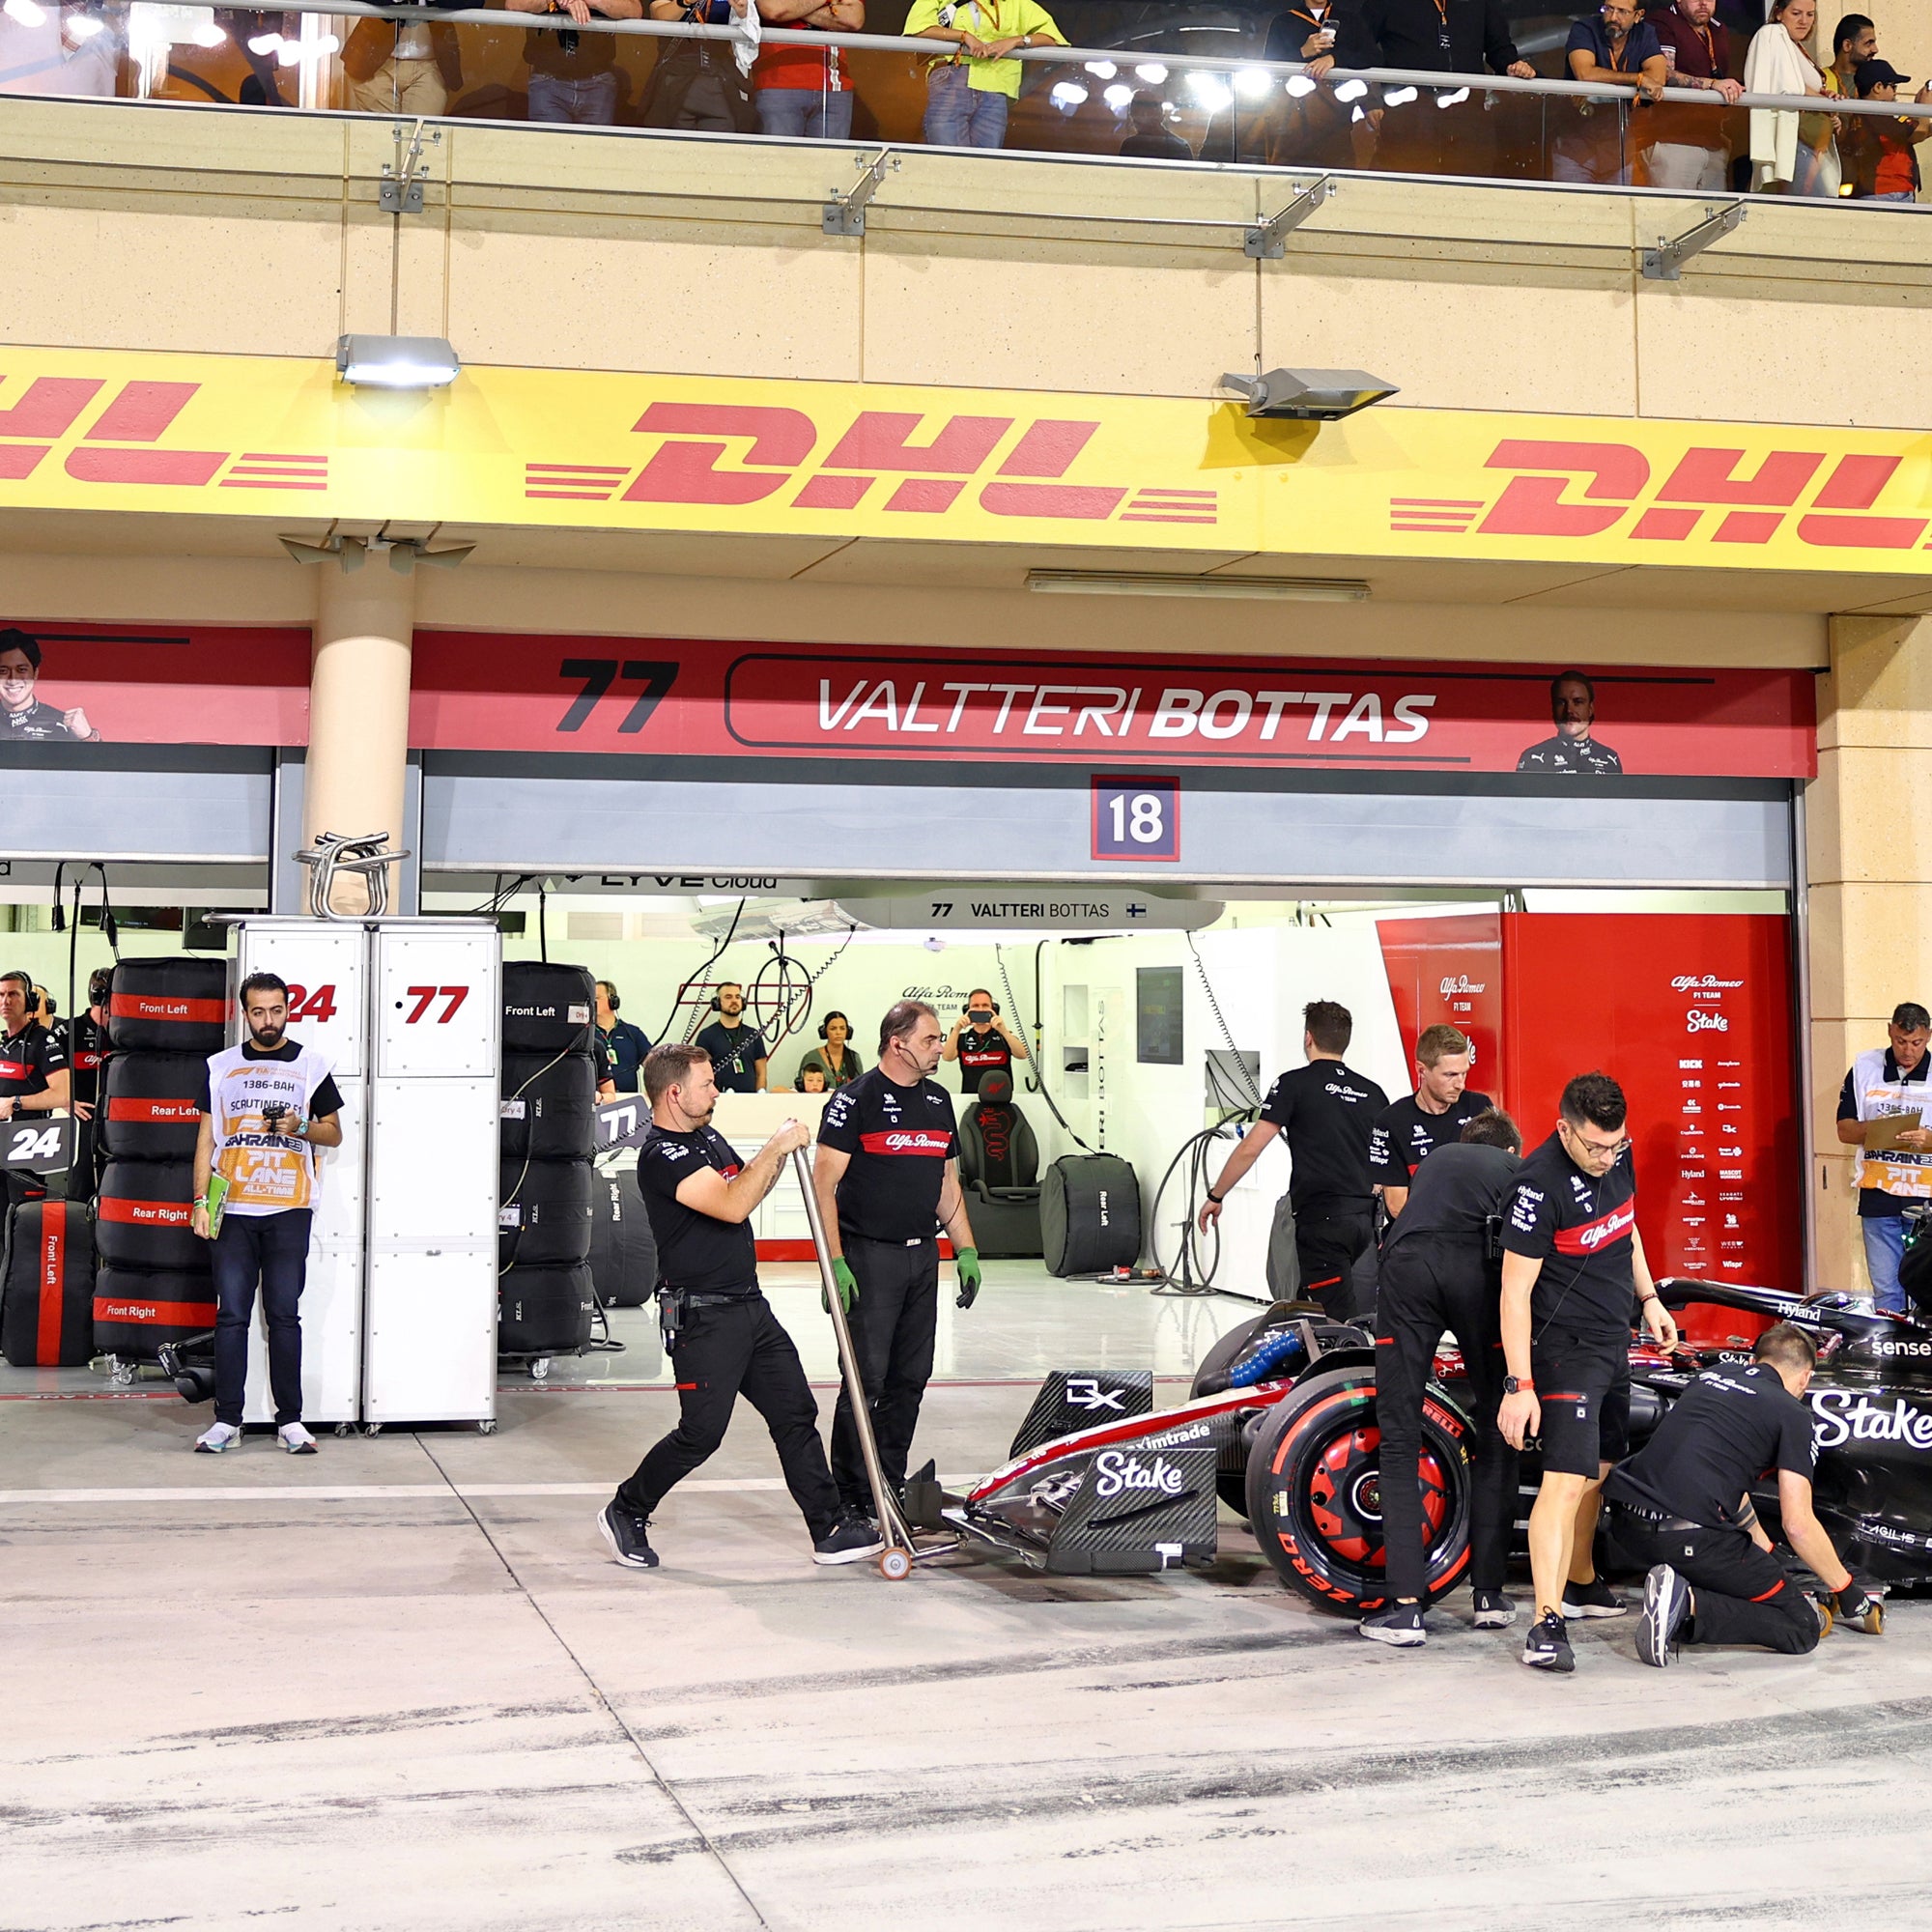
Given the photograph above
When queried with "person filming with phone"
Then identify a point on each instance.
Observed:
(980, 1041)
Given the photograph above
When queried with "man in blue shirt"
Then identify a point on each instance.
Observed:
(1601, 138)
(624, 1045)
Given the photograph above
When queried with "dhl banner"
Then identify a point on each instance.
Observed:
(282, 438)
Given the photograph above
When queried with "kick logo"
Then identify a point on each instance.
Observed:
(1115, 1471)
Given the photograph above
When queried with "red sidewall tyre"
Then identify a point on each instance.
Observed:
(1314, 1497)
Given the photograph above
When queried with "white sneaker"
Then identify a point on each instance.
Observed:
(295, 1439)
(213, 1441)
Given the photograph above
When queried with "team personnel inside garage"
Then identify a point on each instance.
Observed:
(887, 1176)
(624, 1043)
(737, 1050)
(1326, 1111)
(1574, 1275)
(87, 1043)
(981, 1042)
(1437, 1275)
(725, 1341)
(1682, 1502)
(34, 1075)
(1895, 1162)
(1434, 1116)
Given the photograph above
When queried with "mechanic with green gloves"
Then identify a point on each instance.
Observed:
(887, 1177)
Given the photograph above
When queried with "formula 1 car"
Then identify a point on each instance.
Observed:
(1281, 1427)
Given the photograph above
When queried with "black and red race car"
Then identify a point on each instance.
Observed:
(1098, 1483)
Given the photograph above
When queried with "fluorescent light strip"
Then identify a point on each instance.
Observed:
(1299, 590)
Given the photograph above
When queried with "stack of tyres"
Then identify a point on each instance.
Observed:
(152, 1282)
(545, 1298)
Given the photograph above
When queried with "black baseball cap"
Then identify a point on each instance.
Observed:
(1877, 73)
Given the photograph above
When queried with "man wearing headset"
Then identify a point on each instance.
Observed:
(981, 1040)
(624, 1042)
(737, 1051)
(1574, 1275)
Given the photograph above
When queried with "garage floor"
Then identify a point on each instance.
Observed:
(399, 1686)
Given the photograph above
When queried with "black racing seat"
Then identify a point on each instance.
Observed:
(999, 1168)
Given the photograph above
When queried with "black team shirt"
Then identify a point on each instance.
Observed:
(1326, 1113)
(27, 1058)
(1405, 1136)
(696, 1252)
(1726, 1430)
(1581, 1228)
(899, 1140)
(735, 1053)
(981, 1052)
(1455, 1193)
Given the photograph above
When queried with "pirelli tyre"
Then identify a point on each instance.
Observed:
(137, 1310)
(175, 1004)
(544, 1218)
(46, 1286)
(143, 1217)
(549, 1107)
(1314, 1491)
(548, 1009)
(150, 1107)
(623, 1251)
(543, 1311)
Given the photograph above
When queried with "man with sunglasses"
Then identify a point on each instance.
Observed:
(1573, 1276)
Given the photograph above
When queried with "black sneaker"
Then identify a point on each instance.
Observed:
(1401, 1625)
(1548, 1645)
(1666, 1602)
(1495, 1612)
(1594, 1598)
(850, 1540)
(625, 1533)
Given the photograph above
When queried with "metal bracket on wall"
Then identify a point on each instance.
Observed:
(1268, 243)
(1665, 262)
(845, 213)
(402, 186)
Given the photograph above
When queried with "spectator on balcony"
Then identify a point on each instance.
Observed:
(1791, 153)
(698, 83)
(1854, 42)
(64, 50)
(1614, 50)
(802, 93)
(574, 76)
(970, 90)
(1313, 131)
(1692, 150)
(1463, 37)
(1152, 140)
(1877, 149)
(401, 67)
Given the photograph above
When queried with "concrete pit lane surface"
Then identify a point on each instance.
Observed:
(399, 1687)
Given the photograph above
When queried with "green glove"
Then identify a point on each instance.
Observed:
(967, 1261)
(847, 1283)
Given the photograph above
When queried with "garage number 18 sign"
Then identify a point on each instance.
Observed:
(1136, 817)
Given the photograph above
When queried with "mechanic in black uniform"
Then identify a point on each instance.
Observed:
(737, 1051)
(887, 1175)
(980, 1041)
(1682, 1503)
(1574, 1275)
(33, 1073)
(1436, 1276)
(724, 1339)
(88, 1041)
(22, 715)
(1434, 1116)
(1573, 751)
(1326, 1111)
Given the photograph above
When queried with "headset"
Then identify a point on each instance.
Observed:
(611, 994)
(716, 1005)
(834, 1015)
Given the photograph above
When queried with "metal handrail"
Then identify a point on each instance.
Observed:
(1383, 77)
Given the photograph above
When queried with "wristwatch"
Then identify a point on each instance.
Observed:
(1519, 1385)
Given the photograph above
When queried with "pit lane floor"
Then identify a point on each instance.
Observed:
(399, 1685)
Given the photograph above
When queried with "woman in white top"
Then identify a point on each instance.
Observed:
(1791, 154)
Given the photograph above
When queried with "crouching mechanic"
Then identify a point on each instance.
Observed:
(1574, 1275)
(1436, 1274)
(1683, 1504)
(887, 1176)
(724, 1339)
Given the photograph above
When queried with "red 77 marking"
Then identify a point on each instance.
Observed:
(424, 995)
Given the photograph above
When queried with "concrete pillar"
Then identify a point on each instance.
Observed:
(359, 729)
(1869, 868)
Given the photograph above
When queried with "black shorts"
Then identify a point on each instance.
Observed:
(1583, 1390)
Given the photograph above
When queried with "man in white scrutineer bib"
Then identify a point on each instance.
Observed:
(266, 1107)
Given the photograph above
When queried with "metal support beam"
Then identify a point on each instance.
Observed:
(1665, 262)
(402, 186)
(845, 213)
(1268, 243)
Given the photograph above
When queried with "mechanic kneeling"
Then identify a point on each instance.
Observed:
(1682, 1502)
(1437, 1274)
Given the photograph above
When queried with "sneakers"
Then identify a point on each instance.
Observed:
(1594, 1598)
(1495, 1612)
(850, 1540)
(217, 1439)
(1548, 1645)
(295, 1439)
(1401, 1625)
(625, 1533)
(1666, 1602)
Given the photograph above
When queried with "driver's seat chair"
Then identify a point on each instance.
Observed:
(999, 1168)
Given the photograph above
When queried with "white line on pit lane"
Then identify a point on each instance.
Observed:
(356, 1493)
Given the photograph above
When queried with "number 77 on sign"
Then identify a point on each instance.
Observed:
(1136, 819)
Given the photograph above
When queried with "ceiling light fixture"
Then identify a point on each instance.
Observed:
(396, 362)
(1310, 395)
(1148, 583)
